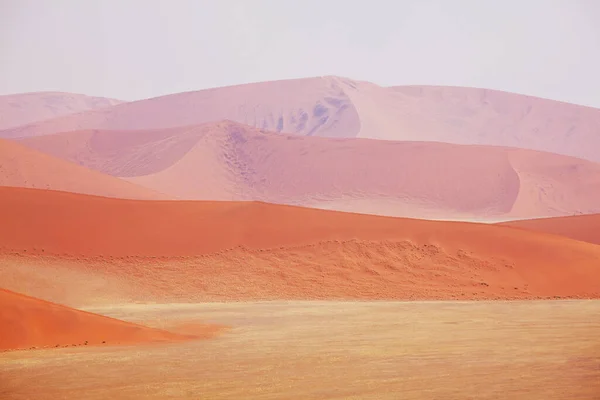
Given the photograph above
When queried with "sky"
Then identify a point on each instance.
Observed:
(136, 49)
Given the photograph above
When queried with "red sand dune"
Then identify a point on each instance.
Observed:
(230, 161)
(27, 322)
(21, 166)
(183, 250)
(339, 107)
(579, 227)
(26, 108)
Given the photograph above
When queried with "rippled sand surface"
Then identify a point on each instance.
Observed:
(332, 350)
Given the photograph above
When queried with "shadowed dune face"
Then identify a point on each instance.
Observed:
(22, 109)
(27, 322)
(339, 107)
(579, 227)
(230, 161)
(312, 106)
(177, 251)
(21, 166)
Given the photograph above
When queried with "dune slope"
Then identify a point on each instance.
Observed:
(579, 227)
(303, 106)
(340, 107)
(476, 116)
(26, 108)
(226, 250)
(27, 322)
(230, 161)
(21, 166)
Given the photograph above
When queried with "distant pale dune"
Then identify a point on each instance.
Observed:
(231, 161)
(21, 166)
(22, 109)
(340, 107)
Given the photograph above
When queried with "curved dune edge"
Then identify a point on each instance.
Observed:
(339, 107)
(30, 108)
(174, 251)
(228, 161)
(27, 322)
(334, 270)
(21, 166)
(585, 228)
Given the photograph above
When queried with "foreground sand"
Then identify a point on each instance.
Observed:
(330, 350)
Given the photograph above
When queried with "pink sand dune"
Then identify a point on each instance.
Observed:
(339, 107)
(230, 161)
(21, 166)
(27, 108)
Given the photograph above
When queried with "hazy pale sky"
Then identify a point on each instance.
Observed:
(134, 49)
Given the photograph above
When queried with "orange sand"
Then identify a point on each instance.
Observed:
(579, 227)
(337, 350)
(230, 161)
(207, 250)
(27, 322)
(23, 167)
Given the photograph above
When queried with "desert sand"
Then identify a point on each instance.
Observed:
(21, 166)
(340, 107)
(579, 227)
(130, 231)
(230, 161)
(27, 323)
(127, 250)
(534, 350)
(27, 108)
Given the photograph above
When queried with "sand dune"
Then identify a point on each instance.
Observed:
(26, 108)
(340, 107)
(579, 227)
(27, 322)
(476, 116)
(21, 166)
(186, 251)
(303, 106)
(230, 161)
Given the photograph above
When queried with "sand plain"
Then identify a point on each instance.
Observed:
(332, 350)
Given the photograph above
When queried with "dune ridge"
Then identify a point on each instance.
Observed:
(21, 166)
(339, 107)
(27, 322)
(182, 250)
(26, 108)
(585, 228)
(231, 161)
